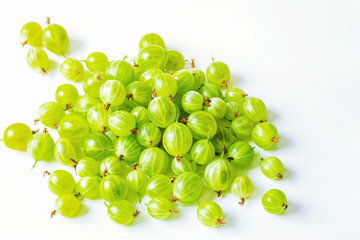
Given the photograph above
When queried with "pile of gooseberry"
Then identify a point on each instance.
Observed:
(153, 127)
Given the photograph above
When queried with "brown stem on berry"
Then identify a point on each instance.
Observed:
(174, 199)
(104, 173)
(24, 43)
(77, 72)
(56, 125)
(67, 106)
(184, 120)
(53, 214)
(159, 144)
(43, 71)
(36, 120)
(150, 142)
(154, 94)
(45, 131)
(192, 63)
(173, 211)
(178, 158)
(274, 139)
(280, 176)
(218, 193)
(48, 21)
(46, 173)
(207, 102)
(35, 131)
(77, 195)
(134, 166)
(245, 95)
(242, 201)
(103, 132)
(134, 131)
(225, 150)
(98, 77)
(171, 98)
(285, 206)
(74, 161)
(171, 72)
(230, 159)
(172, 179)
(221, 222)
(121, 157)
(130, 96)
(225, 84)
(263, 120)
(137, 212)
(236, 114)
(135, 64)
(107, 106)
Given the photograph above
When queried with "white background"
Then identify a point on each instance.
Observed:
(300, 57)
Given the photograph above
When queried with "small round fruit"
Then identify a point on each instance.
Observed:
(203, 152)
(241, 154)
(265, 135)
(113, 188)
(161, 208)
(177, 139)
(122, 212)
(210, 214)
(242, 187)
(17, 136)
(202, 125)
(61, 182)
(274, 201)
(154, 161)
(219, 175)
(159, 186)
(67, 205)
(151, 39)
(242, 127)
(218, 73)
(188, 187)
(272, 168)
(255, 109)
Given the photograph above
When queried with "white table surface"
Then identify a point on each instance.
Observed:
(300, 57)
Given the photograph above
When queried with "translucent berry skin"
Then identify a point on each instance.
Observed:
(210, 214)
(162, 111)
(141, 115)
(265, 135)
(93, 82)
(122, 212)
(84, 103)
(183, 164)
(242, 187)
(152, 56)
(121, 71)
(255, 109)
(165, 85)
(177, 139)
(137, 181)
(242, 127)
(38, 59)
(199, 77)
(160, 208)
(128, 148)
(66, 95)
(185, 81)
(121, 123)
(149, 135)
(274, 201)
(113, 93)
(98, 118)
(223, 139)
(138, 94)
(74, 127)
(159, 186)
(41, 147)
(219, 175)
(88, 187)
(235, 94)
(210, 90)
(151, 39)
(98, 146)
(31, 33)
(87, 167)
(72, 69)
(67, 205)
(154, 161)
(97, 61)
(149, 75)
(203, 152)
(188, 187)
(113, 188)
(17, 136)
(216, 107)
(51, 114)
(272, 168)
(111, 166)
(61, 182)
(175, 61)
(234, 110)
(55, 39)
(202, 125)
(192, 101)
(241, 154)
(66, 151)
(218, 73)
